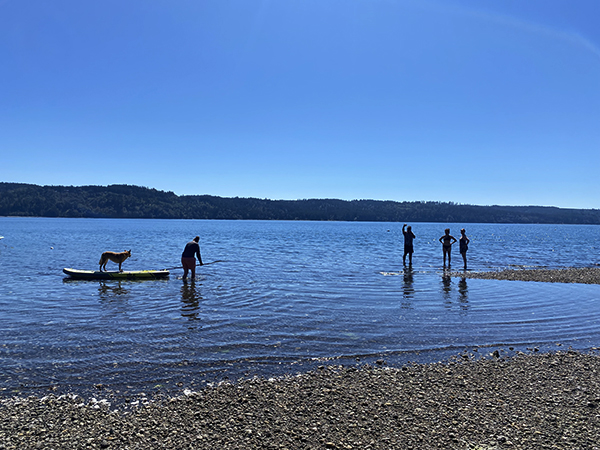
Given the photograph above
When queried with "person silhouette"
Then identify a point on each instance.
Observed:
(463, 243)
(447, 240)
(188, 257)
(408, 244)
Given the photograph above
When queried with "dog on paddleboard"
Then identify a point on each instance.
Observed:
(115, 257)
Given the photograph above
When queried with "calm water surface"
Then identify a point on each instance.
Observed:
(286, 295)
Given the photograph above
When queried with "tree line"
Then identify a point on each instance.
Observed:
(126, 201)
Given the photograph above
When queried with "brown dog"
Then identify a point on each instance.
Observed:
(114, 257)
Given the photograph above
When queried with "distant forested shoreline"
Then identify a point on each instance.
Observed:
(125, 201)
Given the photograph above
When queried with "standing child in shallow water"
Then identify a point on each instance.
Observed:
(408, 244)
(447, 240)
(463, 242)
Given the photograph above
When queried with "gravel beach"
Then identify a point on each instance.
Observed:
(526, 401)
(586, 275)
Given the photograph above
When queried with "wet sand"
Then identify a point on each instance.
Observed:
(587, 275)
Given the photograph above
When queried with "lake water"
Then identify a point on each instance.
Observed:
(286, 296)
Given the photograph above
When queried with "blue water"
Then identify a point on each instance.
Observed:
(284, 296)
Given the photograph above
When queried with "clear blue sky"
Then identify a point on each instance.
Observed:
(480, 102)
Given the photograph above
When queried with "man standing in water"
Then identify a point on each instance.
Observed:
(447, 240)
(408, 244)
(188, 260)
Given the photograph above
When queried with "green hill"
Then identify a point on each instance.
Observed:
(124, 201)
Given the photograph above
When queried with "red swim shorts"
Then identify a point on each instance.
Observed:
(188, 263)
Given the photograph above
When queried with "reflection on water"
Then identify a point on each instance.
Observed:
(463, 290)
(190, 297)
(111, 289)
(446, 285)
(408, 286)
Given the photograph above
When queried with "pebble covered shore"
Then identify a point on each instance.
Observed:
(586, 275)
(526, 401)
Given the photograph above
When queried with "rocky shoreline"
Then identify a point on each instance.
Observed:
(586, 275)
(526, 401)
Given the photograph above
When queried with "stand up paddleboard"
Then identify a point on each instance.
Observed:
(125, 275)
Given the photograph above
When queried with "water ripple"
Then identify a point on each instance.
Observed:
(286, 294)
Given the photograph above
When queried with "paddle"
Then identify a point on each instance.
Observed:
(197, 265)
